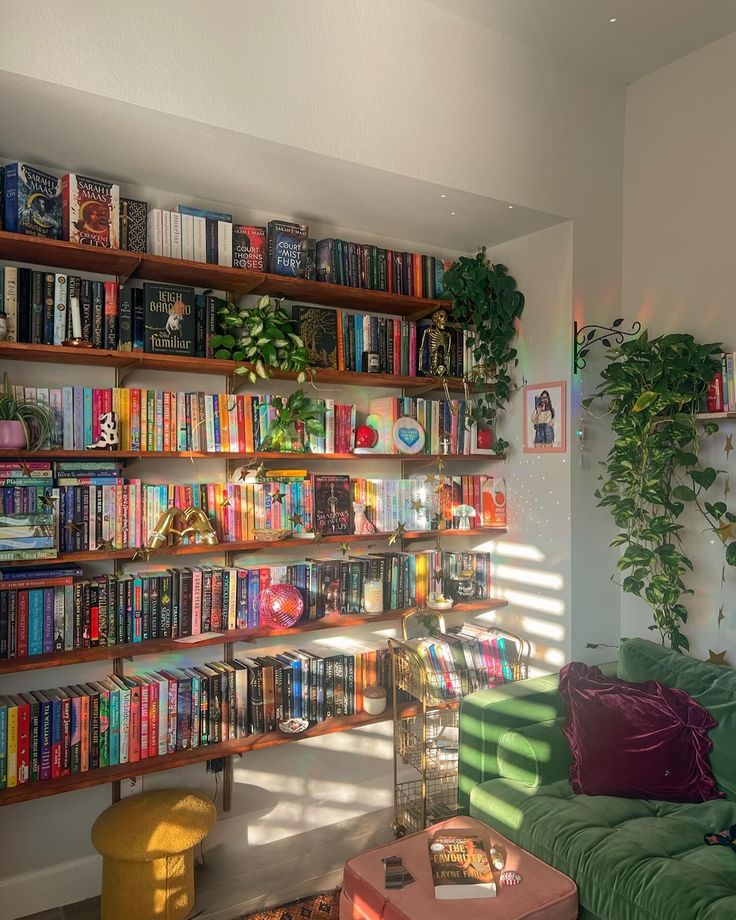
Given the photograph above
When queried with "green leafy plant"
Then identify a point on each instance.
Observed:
(291, 414)
(652, 389)
(488, 304)
(37, 419)
(263, 336)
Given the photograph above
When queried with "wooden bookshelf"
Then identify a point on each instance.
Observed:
(140, 360)
(33, 250)
(193, 755)
(289, 458)
(244, 546)
(714, 416)
(158, 646)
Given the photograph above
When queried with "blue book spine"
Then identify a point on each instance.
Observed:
(358, 320)
(3, 745)
(216, 421)
(79, 418)
(115, 727)
(44, 737)
(11, 197)
(137, 611)
(56, 729)
(254, 580)
(48, 620)
(88, 439)
(35, 621)
(296, 689)
(203, 212)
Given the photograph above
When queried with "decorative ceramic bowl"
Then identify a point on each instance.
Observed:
(271, 536)
(293, 726)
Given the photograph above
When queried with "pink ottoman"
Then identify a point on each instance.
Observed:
(544, 893)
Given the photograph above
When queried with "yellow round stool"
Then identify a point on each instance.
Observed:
(146, 842)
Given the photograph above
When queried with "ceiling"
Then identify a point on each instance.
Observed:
(646, 35)
(180, 155)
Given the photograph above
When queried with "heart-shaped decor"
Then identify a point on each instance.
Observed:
(408, 436)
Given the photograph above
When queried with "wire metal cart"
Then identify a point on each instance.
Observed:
(428, 740)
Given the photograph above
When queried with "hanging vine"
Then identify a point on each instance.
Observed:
(487, 304)
(652, 389)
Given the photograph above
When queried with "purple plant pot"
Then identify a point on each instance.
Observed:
(12, 435)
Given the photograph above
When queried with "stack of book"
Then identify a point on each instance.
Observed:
(27, 521)
(54, 610)
(362, 265)
(194, 234)
(433, 569)
(48, 734)
(443, 422)
(721, 395)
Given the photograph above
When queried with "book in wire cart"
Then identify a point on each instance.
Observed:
(436, 670)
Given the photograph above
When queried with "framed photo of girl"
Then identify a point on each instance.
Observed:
(545, 418)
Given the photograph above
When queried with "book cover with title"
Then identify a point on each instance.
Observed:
(91, 211)
(287, 248)
(249, 247)
(32, 201)
(133, 225)
(169, 319)
(460, 866)
(332, 504)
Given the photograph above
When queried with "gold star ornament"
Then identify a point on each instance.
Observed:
(344, 548)
(717, 658)
(728, 446)
(278, 497)
(417, 505)
(106, 546)
(143, 552)
(48, 500)
(726, 530)
(396, 534)
(318, 536)
(296, 520)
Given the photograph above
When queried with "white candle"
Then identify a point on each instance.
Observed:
(76, 319)
(373, 596)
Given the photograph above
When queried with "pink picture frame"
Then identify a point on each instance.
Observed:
(545, 418)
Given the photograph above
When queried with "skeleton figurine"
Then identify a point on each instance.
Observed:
(440, 345)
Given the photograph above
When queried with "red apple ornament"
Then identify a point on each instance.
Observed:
(365, 436)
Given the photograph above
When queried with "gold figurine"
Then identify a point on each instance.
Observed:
(198, 523)
(164, 526)
(440, 344)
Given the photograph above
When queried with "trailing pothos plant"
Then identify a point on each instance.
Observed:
(296, 413)
(263, 336)
(487, 304)
(652, 389)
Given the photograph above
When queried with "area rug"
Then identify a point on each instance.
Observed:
(316, 907)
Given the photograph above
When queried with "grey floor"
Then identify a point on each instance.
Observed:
(230, 885)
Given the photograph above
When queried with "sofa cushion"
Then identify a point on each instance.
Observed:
(631, 858)
(534, 754)
(712, 686)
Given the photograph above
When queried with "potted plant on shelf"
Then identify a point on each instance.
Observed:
(24, 425)
(263, 336)
(294, 416)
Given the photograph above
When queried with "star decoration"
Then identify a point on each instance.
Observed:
(278, 497)
(143, 552)
(344, 548)
(726, 530)
(417, 504)
(318, 536)
(721, 616)
(48, 500)
(728, 447)
(26, 470)
(399, 532)
(727, 487)
(717, 658)
(73, 527)
(251, 470)
(440, 464)
(106, 546)
(296, 520)
(226, 502)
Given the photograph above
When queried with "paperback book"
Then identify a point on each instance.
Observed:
(32, 201)
(287, 248)
(91, 211)
(249, 247)
(332, 504)
(460, 866)
(133, 225)
(169, 319)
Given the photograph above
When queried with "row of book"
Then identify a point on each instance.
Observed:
(466, 659)
(92, 212)
(55, 610)
(65, 731)
(721, 395)
(155, 420)
(47, 308)
(95, 508)
(375, 344)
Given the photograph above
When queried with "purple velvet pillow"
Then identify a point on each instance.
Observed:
(640, 741)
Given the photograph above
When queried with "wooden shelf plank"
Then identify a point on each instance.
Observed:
(194, 755)
(251, 546)
(157, 646)
(139, 360)
(714, 416)
(33, 250)
(283, 457)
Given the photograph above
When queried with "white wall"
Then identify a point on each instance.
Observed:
(412, 90)
(678, 275)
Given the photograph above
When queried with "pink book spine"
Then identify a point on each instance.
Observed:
(412, 349)
(196, 602)
(97, 409)
(145, 719)
(153, 717)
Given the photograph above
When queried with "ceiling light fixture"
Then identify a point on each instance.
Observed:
(613, 19)
(452, 212)
(510, 207)
(443, 196)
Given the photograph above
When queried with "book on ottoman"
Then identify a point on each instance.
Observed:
(460, 867)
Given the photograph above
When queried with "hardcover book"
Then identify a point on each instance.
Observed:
(317, 326)
(287, 248)
(133, 225)
(332, 504)
(91, 211)
(460, 867)
(32, 201)
(169, 319)
(325, 268)
(249, 247)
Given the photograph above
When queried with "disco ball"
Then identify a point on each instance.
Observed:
(280, 606)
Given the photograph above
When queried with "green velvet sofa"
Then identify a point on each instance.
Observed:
(632, 859)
